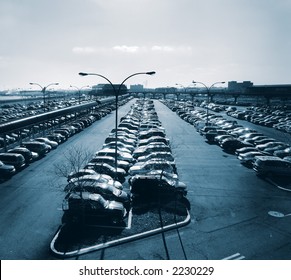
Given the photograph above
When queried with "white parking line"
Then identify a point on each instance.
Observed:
(129, 220)
(236, 256)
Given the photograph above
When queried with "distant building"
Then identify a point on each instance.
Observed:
(166, 90)
(106, 89)
(136, 88)
(271, 90)
(236, 87)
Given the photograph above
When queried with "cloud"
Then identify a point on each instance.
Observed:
(127, 49)
(163, 48)
(84, 50)
(134, 49)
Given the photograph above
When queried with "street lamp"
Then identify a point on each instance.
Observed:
(79, 91)
(43, 89)
(208, 91)
(182, 87)
(116, 93)
(185, 88)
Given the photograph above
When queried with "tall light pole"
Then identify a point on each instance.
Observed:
(185, 88)
(79, 91)
(182, 87)
(116, 92)
(43, 89)
(208, 91)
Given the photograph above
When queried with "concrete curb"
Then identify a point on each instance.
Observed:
(115, 242)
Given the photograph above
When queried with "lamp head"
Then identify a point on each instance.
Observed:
(83, 74)
(151, 73)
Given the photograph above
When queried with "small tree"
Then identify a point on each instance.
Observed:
(74, 159)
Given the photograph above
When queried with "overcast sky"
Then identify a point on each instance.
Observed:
(46, 41)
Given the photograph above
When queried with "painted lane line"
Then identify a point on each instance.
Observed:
(236, 256)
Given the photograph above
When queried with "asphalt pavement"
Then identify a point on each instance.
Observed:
(229, 204)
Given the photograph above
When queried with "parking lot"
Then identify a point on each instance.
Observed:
(226, 198)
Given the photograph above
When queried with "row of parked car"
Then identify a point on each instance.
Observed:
(277, 118)
(9, 112)
(267, 156)
(18, 157)
(96, 193)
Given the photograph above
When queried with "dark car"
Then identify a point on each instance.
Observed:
(272, 166)
(6, 170)
(91, 209)
(53, 144)
(156, 186)
(211, 134)
(27, 154)
(57, 137)
(230, 145)
(17, 160)
(283, 152)
(41, 148)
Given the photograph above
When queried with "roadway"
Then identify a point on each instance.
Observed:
(229, 204)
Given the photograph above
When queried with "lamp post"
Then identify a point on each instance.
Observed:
(43, 89)
(79, 91)
(185, 88)
(116, 93)
(182, 87)
(208, 91)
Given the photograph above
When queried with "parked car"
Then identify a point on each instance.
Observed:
(105, 168)
(263, 147)
(17, 160)
(97, 178)
(6, 170)
(111, 152)
(111, 161)
(283, 152)
(80, 173)
(27, 154)
(272, 166)
(249, 158)
(47, 141)
(92, 208)
(245, 150)
(156, 186)
(211, 134)
(41, 148)
(153, 139)
(157, 155)
(151, 148)
(150, 133)
(108, 191)
(130, 148)
(57, 137)
(145, 167)
(230, 145)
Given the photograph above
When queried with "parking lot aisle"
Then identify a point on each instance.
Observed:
(227, 199)
(31, 200)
